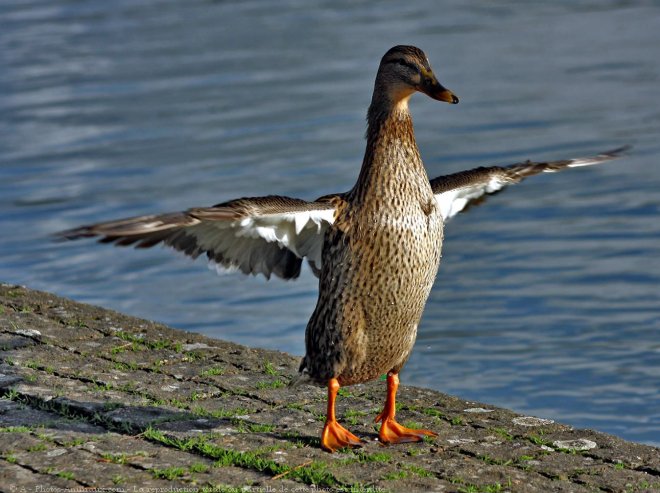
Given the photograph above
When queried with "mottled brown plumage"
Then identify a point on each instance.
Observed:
(381, 254)
(376, 248)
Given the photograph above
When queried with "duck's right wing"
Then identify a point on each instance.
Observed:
(459, 191)
(260, 235)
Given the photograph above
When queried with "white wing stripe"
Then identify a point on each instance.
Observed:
(281, 228)
(256, 244)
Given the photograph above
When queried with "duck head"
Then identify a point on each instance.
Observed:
(405, 70)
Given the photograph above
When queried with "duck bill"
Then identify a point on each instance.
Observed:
(445, 95)
(437, 91)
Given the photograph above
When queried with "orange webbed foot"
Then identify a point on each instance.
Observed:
(335, 437)
(393, 432)
(390, 430)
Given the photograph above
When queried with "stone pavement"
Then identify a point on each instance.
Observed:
(93, 400)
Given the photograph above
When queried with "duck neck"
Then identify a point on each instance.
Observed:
(391, 161)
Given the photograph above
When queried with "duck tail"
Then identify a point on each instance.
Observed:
(303, 377)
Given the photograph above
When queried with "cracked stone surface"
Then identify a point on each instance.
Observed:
(95, 399)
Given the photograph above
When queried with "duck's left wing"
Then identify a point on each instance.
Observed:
(259, 235)
(458, 191)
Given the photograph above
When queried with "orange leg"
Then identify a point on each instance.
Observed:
(390, 430)
(334, 435)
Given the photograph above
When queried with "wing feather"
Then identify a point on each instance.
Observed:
(258, 235)
(456, 192)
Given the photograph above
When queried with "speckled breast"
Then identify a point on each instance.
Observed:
(380, 262)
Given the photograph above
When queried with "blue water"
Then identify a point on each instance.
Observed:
(548, 298)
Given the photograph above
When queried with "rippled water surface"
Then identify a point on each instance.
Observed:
(548, 298)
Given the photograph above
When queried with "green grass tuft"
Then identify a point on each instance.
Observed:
(261, 428)
(269, 368)
(429, 411)
(362, 457)
(216, 370)
(275, 384)
(169, 473)
(503, 433)
(197, 467)
(39, 447)
(395, 475)
(344, 393)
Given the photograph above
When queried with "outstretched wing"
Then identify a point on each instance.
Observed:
(262, 235)
(271, 235)
(458, 191)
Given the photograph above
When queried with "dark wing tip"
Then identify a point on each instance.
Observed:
(73, 234)
(621, 150)
(615, 153)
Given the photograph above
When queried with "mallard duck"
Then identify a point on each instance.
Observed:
(376, 248)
